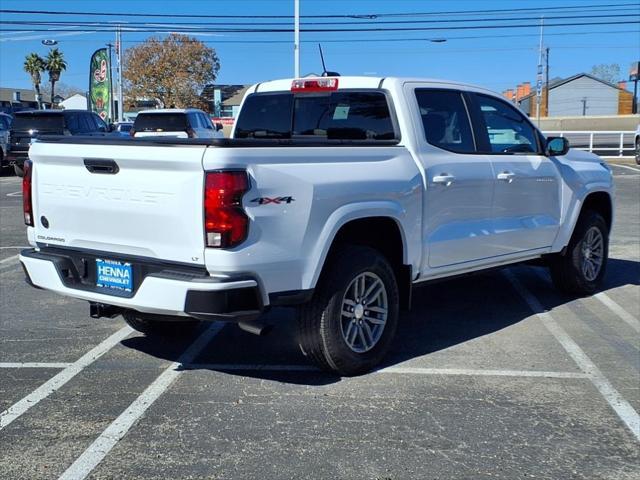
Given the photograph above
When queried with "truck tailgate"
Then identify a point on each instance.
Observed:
(142, 200)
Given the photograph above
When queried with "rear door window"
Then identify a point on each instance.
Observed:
(341, 115)
(161, 122)
(445, 120)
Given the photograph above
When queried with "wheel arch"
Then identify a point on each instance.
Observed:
(384, 232)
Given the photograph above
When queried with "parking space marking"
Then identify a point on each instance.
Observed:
(50, 386)
(623, 409)
(400, 370)
(35, 365)
(99, 449)
(626, 166)
(9, 260)
(15, 194)
(618, 310)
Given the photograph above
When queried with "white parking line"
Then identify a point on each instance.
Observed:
(618, 310)
(623, 409)
(626, 166)
(397, 369)
(47, 388)
(9, 260)
(99, 449)
(35, 365)
(15, 194)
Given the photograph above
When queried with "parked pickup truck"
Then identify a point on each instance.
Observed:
(337, 195)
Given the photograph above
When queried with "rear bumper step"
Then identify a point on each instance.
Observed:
(159, 289)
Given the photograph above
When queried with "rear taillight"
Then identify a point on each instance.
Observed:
(27, 204)
(225, 222)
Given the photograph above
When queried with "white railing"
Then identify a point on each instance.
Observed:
(599, 140)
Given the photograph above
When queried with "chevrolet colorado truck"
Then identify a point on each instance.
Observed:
(337, 195)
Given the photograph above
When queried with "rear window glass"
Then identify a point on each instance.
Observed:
(345, 115)
(160, 122)
(42, 123)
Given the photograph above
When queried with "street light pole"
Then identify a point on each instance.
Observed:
(296, 39)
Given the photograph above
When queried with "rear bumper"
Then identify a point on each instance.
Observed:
(160, 289)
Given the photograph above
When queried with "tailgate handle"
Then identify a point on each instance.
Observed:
(101, 165)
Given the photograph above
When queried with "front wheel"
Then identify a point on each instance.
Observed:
(349, 324)
(581, 269)
(160, 326)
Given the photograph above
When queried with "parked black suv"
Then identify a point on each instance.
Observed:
(32, 124)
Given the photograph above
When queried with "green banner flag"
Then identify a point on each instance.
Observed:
(100, 85)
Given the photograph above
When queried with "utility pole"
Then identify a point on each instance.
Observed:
(296, 38)
(539, 79)
(119, 57)
(584, 106)
(546, 74)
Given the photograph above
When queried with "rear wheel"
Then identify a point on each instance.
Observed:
(581, 269)
(637, 150)
(158, 325)
(18, 169)
(349, 324)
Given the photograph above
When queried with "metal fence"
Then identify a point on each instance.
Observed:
(599, 141)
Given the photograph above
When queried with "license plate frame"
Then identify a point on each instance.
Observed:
(114, 275)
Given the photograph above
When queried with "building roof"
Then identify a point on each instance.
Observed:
(26, 95)
(230, 94)
(558, 83)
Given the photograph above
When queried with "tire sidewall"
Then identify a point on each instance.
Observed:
(339, 355)
(590, 219)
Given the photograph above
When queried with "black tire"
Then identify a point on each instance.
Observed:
(18, 170)
(321, 322)
(160, 326)
(637, 150)
(567, 270)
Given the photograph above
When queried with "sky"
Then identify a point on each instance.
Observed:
(493, 58)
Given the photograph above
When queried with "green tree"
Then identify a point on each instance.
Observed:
(34, 65)
(172, 70)
(55, 66)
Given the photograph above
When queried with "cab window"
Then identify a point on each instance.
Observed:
(506, 130)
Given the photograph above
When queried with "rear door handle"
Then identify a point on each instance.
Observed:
(443, 179)
(506, 176)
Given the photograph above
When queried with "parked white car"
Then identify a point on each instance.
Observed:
(338, 195)
(175, 122)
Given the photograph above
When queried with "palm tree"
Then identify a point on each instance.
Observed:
(55, 65)
(34, 65)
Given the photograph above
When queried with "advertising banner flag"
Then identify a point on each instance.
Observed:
(100, 84)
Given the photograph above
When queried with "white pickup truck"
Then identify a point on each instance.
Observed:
(337, 195)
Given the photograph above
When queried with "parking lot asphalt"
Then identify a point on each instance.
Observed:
(495, 375)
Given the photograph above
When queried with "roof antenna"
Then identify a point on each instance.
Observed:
(325, 73)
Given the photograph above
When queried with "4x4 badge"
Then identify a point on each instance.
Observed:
(276, 200)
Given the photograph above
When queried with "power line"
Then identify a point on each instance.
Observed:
(237, 24)
(368, 16)
(321, 30)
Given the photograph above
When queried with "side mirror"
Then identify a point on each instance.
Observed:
(219, 127)
(557, 146)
